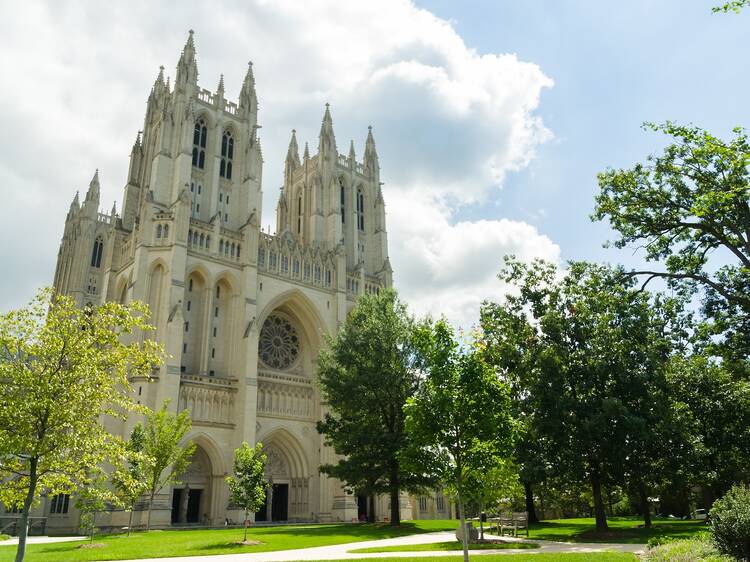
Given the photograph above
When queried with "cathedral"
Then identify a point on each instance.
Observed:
(240, 312)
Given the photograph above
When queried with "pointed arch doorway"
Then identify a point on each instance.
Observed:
(287, 496)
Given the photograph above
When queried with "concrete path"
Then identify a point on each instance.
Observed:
(40, 540)
(341, 551)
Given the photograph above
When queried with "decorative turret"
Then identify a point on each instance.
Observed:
(75, 206)
(248, 97)
(187, 69)
(220, 87)
(352, 156)
(327, 140)
(93, 192)
(136, 154)
(372, 166)
(292, 156)
(306, 156)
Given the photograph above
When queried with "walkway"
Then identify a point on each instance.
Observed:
(341, 551)
(40, 540)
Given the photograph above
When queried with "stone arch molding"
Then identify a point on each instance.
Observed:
(297, 304)
(286, 458)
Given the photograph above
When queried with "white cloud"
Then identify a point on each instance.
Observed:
(450, 123)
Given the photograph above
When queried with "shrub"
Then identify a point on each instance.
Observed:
(730, 523)
(700, 547)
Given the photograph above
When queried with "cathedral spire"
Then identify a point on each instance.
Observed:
(248, 98)
(187, 69)
(93, 193)
(327, 140)
(372, 166)
(292, 154)
(352, 156)
(306, 156)
(220, 87)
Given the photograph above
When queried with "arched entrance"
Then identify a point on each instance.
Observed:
(287, 497)
(191, 501)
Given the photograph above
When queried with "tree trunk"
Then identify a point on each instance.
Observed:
(530, 502)
(24, 527)
(395, 511)
(644, 506)
(245, 525)
(371, 510)
(130, 519)
(148, 518)
(461, 517)
(599, 514)
(481, 520)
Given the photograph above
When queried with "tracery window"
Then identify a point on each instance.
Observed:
(279, 344)
(227, 153)
(96, 253)
(199, 144)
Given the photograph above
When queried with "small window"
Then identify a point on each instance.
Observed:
(214, 331)
(197, 207)
(213, 352)
(221, 197)
(360, 210)
(343, 201)
(190, 285)
(218, 291)
(216, 312)
(59, 504)
(184, 348)
(187, 326)
(422, 503)
(199, 189)
(188, 305)
(158, 231)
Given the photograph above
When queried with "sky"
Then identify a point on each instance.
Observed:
(491, 117)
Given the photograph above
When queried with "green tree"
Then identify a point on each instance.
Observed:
(164, 433)
(247, 484)
(732, 6)
(689, 208)
(94, 497)
(461, 414)
(366, 376)
(587, 354)
(62, 369)
(488, 487)
(130, 478)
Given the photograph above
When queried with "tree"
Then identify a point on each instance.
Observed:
(488, 487)
(461, 414)
(62, 369)
(587, 354)
(130, 478)
(731, 6)
(366, 377)
(690, 208)
(247, 484)
(96, 496)
(162, 443)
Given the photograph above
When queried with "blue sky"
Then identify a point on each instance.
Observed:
(491, 118)
(615, 65)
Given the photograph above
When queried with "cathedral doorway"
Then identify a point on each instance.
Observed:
(191, 502)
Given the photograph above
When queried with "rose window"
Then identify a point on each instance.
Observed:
(279, 342)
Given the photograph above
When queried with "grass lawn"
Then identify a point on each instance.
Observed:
(553, 557)
(154, 544)
(621, 529)
(452, 545)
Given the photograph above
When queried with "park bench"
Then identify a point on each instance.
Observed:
(512, 522)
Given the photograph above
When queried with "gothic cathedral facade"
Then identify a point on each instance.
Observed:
(240, 312)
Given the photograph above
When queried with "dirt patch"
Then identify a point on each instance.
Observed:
(92, 545)
(246, 543)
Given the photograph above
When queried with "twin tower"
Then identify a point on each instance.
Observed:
(240, 312)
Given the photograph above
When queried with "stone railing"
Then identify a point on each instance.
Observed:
(210, 400)
(285, 396)
(284, 256)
